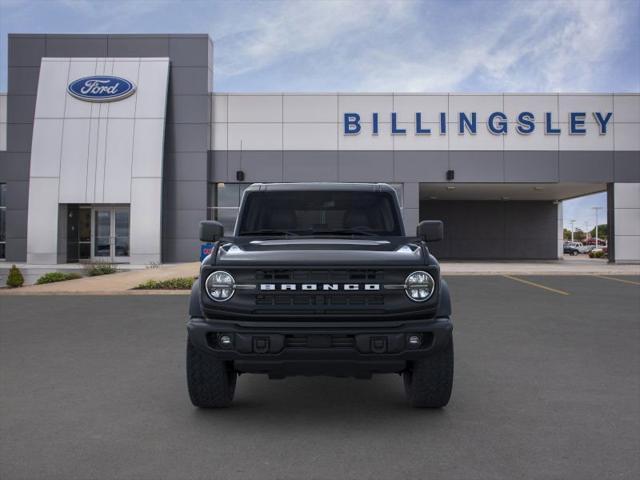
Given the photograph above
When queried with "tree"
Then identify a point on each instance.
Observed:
(603, 231)
(15, 278)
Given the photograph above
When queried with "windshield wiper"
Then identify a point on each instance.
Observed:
(268, 231)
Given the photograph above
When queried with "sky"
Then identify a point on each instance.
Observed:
(377, 45)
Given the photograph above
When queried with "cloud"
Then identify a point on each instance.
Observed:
(410, 46)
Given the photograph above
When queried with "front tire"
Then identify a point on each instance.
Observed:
(211, 382)
(428, 381)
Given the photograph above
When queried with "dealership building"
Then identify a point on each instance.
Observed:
(114, 147)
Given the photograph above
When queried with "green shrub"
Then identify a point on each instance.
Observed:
(596, 254)
(15, 278)
(180, 283)
(96, 269)
(52, 277)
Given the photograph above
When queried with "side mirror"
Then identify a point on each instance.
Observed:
(211, 231)
(430, 230)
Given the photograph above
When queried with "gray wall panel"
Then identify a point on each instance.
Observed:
(19, 137)
(23, 80)
(183, 223)
(185, 195)
(430, 166)
(318, 166)
(76, 46)
(477, 166)
(586, 166)
(494, 230)
(188, 80)
(185, 166)
(218, 166)
(188, 109)
(258, 165)
(138, 46)
(14, 167)
(16, 223)
(365, 166)
(189, 51)
(187, 137)
(529, 166)
(17, 247)
(626, 166)
(22, 108)
(26, 50)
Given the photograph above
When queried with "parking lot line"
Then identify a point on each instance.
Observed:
(618, 279)
(534, 284)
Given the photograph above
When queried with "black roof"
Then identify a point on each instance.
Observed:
(321, 186)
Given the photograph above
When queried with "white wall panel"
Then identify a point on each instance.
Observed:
(92, 159)
(45, 147)
(219, 136)
(148, 147)
(74, 161)
(365, 105)
(151, 95)
(219, 104)
(365, 140)
(51, 87)
(430, 106)
(627, 136)
(3, 108)
(534, 141)
(118, 158)
(255, 136)
(146, 220)
(411, 141)
(255, 108)
(310, 108)
(628, 221)
(626, 107)
(584, 103)
(77, 108)
(483, 140)
(310, 136)
(125, 108)
(483, 105)
(42, 222)
(536, 104)
(626, 195)
(592, 140)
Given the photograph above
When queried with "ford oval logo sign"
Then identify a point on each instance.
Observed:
(101, 88)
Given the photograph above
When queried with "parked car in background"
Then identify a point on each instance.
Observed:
(571, 248)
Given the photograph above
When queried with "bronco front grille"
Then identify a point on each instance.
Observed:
(344, 299)
(319, 276)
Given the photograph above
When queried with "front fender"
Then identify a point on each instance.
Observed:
(195, 310)
(444, 300)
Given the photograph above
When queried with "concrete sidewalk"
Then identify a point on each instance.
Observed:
(116, 283)
(124, 282)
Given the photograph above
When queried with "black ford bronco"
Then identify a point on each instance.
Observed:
(320, 279)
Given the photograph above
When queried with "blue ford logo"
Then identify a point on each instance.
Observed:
(102, 88)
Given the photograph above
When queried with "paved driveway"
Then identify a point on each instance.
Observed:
(547, 385)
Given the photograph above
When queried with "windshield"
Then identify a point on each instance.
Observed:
(319, 213)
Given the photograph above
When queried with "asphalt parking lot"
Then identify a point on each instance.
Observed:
(547, 385)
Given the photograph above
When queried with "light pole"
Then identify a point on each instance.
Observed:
(572, 222)
(596, 210)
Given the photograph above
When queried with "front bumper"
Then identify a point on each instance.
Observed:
(284, 349)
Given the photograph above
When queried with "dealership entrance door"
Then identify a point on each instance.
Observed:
(98, 233)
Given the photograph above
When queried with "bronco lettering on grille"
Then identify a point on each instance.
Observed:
(319, 286)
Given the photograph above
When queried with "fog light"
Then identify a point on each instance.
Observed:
(415, 340)
(225, 340)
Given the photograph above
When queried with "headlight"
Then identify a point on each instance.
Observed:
(419, 286)
(220, 286)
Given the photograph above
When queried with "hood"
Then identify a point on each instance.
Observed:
(392, 251)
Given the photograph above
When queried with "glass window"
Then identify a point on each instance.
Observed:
(320, 213)
(224, 202)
